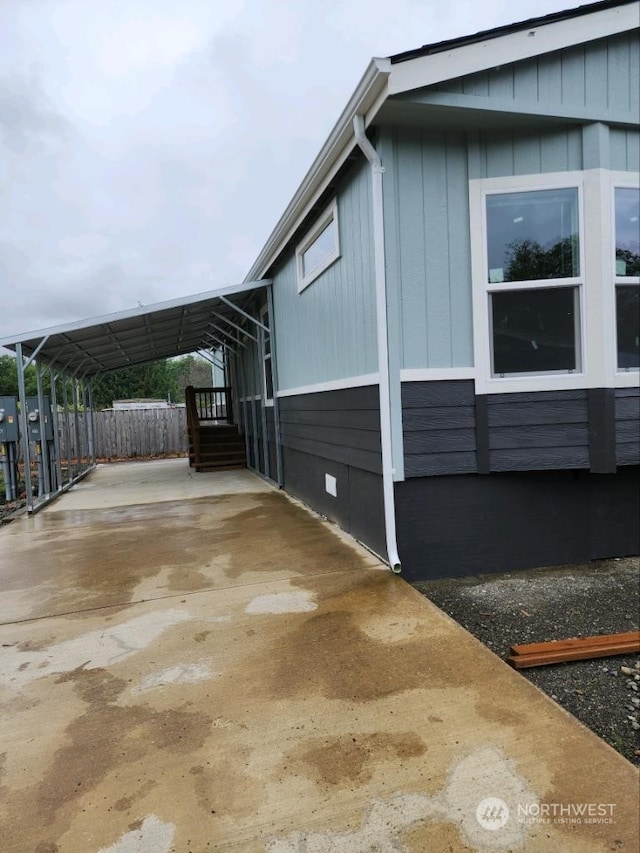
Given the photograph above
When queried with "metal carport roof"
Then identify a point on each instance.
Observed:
(165, 329)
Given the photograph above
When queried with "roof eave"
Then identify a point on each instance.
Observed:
(503, 48)
(366, 100)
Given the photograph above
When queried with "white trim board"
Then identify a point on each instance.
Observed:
(333, 385)
(596, 282)
(526, 43)
(435, 374)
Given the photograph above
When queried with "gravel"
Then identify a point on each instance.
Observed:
(601, 597)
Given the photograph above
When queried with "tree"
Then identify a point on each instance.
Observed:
(529, 261)
(154, 379)
(9, 378)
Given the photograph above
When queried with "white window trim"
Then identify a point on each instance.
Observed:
(329, 215)
(479, 189)
(268, 401)
(627, 378)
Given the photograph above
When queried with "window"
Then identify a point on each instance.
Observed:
(265, 343)
(319, 249)
(627, 276)
(533, 281)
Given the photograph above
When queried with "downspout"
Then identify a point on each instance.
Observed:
(377, 170)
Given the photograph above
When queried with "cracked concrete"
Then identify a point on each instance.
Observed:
(222, 671)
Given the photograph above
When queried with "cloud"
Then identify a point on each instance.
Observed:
(147, 148)
(26, 117)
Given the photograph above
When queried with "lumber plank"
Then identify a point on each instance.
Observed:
(575, 643)
(583, 648)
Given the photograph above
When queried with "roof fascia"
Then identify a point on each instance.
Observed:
(133, 313)
(512, 47)
(366, 100)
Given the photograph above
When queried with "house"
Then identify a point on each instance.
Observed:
(437, 347)
(452, 369)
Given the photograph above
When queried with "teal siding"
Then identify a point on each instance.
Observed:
(603, 75)
(625, 150)
(427, 247)
(506, 152)
(328, 331)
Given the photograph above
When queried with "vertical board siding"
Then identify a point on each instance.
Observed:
(627, 408)
(428, 246)
(438, 420)
(342, 426)
(507, 152)
(625, 149)
(600, 76)
(328, 331)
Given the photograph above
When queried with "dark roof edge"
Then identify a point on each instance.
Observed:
(496, 32)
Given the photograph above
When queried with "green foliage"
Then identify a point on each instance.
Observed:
(529, 261)
(162, 380)
(155, 379)
(9, 378)
(165, 380)
(631, 261)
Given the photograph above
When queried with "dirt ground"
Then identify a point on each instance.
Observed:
(602, 597)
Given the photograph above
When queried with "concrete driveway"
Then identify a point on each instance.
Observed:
(197, 663)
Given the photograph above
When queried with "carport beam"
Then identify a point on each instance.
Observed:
(244, 313)
(235, 326)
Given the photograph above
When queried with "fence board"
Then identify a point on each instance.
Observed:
(132, 434)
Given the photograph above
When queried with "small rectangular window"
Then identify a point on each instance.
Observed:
(319, 249)
(627, 276)
(267, 367)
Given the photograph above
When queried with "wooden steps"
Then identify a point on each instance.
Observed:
(581, 648)
(221, 446)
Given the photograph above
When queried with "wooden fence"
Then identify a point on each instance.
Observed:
(143, 432)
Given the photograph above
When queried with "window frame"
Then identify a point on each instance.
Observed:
(486, 381)
(620, 180)
(265, 356)
(329, 215)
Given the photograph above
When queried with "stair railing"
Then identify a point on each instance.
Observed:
(205, 405)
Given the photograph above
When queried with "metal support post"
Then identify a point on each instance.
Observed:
(258, 367)
(24, 428)
(44, 485)
(92, 432)
(76, 424)
(67, 427)
(274, 381)
(55, 423)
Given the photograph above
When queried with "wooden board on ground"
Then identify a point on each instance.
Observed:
(578, 648)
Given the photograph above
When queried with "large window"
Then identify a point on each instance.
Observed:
(533, 281)
(627, 276)
(319, 249)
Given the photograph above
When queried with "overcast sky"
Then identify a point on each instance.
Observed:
(148, 147)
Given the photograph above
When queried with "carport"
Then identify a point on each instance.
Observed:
(201, 664)
(217, 324)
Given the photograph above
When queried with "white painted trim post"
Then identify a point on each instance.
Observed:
(377, 170)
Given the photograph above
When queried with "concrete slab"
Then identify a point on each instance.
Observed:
(230, 673)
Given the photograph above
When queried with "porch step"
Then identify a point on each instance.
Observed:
(221, 446)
